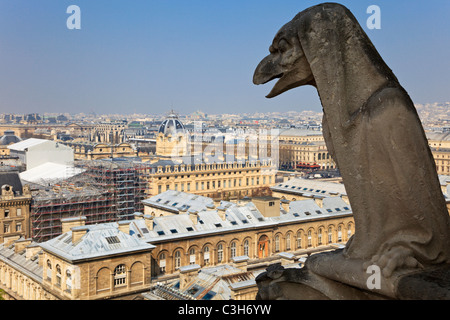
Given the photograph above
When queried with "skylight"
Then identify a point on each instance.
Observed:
(112, 240)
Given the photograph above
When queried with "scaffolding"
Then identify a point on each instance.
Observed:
(126, 180)
(67, 200)
(107, 191)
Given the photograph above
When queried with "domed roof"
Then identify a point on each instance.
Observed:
(9, 138)
(171, 126)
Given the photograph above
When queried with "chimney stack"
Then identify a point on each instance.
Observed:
(148, 221)
(124, 226)
(69, 223)
(78, 233)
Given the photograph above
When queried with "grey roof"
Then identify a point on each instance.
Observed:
(99, 240)
(12, 179)
(310, 187)
(237, 218)
(440, 136)
(9, 138)
(18, 260)
(300, 132)
(177, 201)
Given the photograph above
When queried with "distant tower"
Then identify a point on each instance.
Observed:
(172, 137)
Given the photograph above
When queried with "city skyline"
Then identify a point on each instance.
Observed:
(155, 55)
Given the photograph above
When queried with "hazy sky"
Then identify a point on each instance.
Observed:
(147, 56)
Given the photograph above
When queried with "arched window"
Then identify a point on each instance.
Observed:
(309, 238)
(120, 275)
(299, 240)
(330, 235)
(339, 234)
(192, 256)
(206, 255)
(233, 249)
(68, 281)
(319, 237)
(246, 248)
(162, 262)
(288, 241)
(177, 258)
(349, 230)
(58, 275)
(49, 270)
(277, 243)
(219, 253)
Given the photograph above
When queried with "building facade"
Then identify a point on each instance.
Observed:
(15, 202)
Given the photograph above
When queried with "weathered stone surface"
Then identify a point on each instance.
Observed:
(375, 136)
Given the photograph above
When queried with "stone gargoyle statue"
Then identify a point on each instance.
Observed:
(372, 130)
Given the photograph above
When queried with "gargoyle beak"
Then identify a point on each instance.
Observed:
(266, 71)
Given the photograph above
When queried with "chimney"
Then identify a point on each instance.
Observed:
(210, 207)
(69, 223)
(194, 216)
(221, 211)
(31, 250)
(319, 202)
(124, 226)
(241, 262)
(20, 245)
(138, 215)
(78, 233)
(285, 204)
(148, 221)
(187, 273)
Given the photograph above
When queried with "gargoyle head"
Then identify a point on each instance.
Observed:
(286, 61)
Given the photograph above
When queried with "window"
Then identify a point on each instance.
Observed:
(233, 249)
(6, 228)
(339, 234)
(19, 211)
(320, 237)
(192, 256)
(299, 240)
(206, 255)
(177, 260)
(219, 253)
(309, 238)
(49, 270)
(68, 281)
(6, 213)
(112, 240)
(271, 203)
(162, 262)
(58, 275)
(288, 241)
(277, 243)
(18, 226)
(246, 248)
(120, 275)
(330, 235)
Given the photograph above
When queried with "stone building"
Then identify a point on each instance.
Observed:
(216, 180)
(214, 234)
(15, 202)
(304, 149)
(84, 263)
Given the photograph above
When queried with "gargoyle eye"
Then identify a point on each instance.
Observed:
(283, 45)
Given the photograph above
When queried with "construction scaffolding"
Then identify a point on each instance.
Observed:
(67, 200)
(125, 180)
(106, 191)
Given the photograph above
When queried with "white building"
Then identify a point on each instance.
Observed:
(34, 152)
